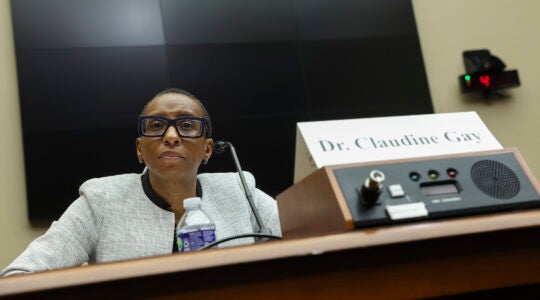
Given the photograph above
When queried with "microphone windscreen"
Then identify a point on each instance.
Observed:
(220, 147)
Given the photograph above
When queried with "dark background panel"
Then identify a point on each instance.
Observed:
(227, 21)
(263, 146)
(353, 19)
(370, 77)
(80, 155)
(57, 163)
(87, 88)
(81, 23)
(79, 111)
(240, 80)
(86, 68)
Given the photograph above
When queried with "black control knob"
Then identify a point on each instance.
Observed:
(372, 187)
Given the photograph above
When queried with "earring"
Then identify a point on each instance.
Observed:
(205, 161)
(141, 161)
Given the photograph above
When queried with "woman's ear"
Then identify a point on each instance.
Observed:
(138, 146)
(208, 150)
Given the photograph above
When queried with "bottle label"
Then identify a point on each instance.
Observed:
(191, 241)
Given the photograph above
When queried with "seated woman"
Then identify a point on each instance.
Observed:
(135, 215)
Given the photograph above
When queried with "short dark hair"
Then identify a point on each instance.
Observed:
(167, 91)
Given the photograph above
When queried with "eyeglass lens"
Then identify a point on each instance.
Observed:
(185, 127)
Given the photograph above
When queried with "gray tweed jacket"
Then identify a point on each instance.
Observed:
(114, 220)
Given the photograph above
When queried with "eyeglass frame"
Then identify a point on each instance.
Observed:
(173, 122)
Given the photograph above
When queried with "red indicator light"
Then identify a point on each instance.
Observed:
(488, 82)
(452, 173)
(485, 80)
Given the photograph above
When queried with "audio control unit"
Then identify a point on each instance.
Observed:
(362, 195)
(435, 188)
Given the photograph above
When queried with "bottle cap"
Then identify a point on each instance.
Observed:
(192, 203)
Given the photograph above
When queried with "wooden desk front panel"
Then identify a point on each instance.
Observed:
(408, 270)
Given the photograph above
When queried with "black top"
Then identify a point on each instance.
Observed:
(160, 202)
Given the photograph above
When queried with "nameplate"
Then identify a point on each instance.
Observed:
(323, 143)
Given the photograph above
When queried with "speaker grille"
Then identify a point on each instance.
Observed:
(495, 179)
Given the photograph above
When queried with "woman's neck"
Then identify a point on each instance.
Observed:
(174, 191)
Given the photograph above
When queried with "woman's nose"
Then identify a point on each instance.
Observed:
(171, 136)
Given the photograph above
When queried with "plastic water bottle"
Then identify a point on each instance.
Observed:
(195, 229)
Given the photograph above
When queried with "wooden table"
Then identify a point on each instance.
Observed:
(417, 260)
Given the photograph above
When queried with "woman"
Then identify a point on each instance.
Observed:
(135, 215)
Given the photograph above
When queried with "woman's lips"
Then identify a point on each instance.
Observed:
(170, 155)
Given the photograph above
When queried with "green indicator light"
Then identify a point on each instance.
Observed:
(414, 176)
(467, 77)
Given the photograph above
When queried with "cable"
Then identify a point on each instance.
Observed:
(234, 237)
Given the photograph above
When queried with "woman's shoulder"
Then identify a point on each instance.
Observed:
(220, 184)
(225, 178)
(111, 184)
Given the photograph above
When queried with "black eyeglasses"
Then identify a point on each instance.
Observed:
(186, 127)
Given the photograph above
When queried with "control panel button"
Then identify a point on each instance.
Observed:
(407, 211)
(396, 191)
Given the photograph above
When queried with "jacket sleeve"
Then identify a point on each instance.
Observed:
(68, 242)
(268, 210)
(266, 206)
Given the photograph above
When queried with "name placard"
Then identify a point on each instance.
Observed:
(323, 143)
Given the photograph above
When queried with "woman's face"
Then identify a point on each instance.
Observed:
(172, 156)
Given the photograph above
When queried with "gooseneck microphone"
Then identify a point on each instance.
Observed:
(220, 147)
(263, 232)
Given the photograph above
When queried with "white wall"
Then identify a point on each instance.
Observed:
(15, 230)
(510, 29)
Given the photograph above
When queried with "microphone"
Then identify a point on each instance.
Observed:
(263, 233)
(220, 147)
